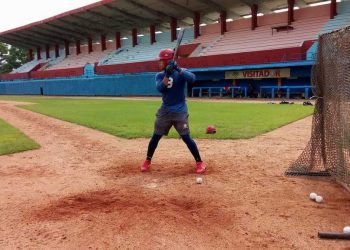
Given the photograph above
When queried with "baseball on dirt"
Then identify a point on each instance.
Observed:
(313, 196)
(199, 180)
(346, 230)
(319, 199)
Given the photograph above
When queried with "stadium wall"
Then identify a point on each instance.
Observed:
(143, 84)
(113, 85)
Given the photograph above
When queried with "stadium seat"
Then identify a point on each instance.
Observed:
(341, 20)
(240, 38)
(143, 51)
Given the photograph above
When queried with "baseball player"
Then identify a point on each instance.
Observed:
(171, 83)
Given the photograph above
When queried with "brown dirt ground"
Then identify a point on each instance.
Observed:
(83, 190)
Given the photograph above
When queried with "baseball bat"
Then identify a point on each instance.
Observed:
(334, 235)
(179, 40)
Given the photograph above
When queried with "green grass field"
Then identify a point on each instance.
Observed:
(13, 141)
(135, 118)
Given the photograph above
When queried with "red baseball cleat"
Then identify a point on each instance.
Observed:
(200, 169)
(146, 165)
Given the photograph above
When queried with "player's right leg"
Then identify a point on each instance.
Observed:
(162, 126)
(151, 149)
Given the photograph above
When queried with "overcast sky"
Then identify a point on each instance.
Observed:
(15, 13)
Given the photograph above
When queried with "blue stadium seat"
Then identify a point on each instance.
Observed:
(340, 20)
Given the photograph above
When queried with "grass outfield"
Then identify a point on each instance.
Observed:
(13, 141)
(135, 118)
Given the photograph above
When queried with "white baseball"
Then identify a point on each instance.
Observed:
(199, 180)
(346, 230)
(319, 199)
(313, 196)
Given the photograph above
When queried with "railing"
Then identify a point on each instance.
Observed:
(240, 90)
(272, 90)
(218, 90)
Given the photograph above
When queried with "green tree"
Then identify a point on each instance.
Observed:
(11, 58)
(3, 52)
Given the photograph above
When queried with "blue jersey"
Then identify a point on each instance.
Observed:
(173, 95)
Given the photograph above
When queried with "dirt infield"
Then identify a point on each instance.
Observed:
(83, 190)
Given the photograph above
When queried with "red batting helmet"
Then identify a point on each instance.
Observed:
(211, 129)
(166, 54)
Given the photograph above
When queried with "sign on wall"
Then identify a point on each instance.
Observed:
(258, 73)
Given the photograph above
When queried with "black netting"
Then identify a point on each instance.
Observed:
(327, 152)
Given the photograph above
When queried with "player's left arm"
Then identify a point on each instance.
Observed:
(184, 73)
(187, 75)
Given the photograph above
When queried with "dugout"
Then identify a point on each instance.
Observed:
(255, 78)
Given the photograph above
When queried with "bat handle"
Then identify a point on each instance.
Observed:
(334, 235)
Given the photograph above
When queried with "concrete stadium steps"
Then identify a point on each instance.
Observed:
(47, 63)
(73, 61)
(29, 66)
(240, 38)
(143, 51)
(207, 42)
(138, 53)
(339, 21)
(238, 41)
(55, 61)
(108, 58)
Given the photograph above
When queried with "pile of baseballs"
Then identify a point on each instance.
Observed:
(315, 197)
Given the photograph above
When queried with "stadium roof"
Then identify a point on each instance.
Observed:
(108, 16)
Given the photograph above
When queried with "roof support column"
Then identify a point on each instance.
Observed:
(196, 22)
(152, 31)
(173, 26)
(103, 42)
(57, 50)
(254, 9)
(47, 51)
(223, 16)
(90, 45)
(30, 55)
(77, 46)
(291, 11)
(66, 47)
(38, 53)
(333, 9)
(118, 43)
(134, 37)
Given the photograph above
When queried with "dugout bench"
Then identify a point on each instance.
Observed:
(274, 89)
(217, 90)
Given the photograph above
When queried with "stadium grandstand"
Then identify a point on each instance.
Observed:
(245, 48)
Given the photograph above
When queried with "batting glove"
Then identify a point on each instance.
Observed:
(169, 70)
(175, 65)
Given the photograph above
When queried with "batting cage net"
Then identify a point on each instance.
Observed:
(328, 151)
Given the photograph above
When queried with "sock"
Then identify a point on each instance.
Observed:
(153, 145)
(192, 147)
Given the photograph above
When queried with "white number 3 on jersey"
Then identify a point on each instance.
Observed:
(170, 82)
